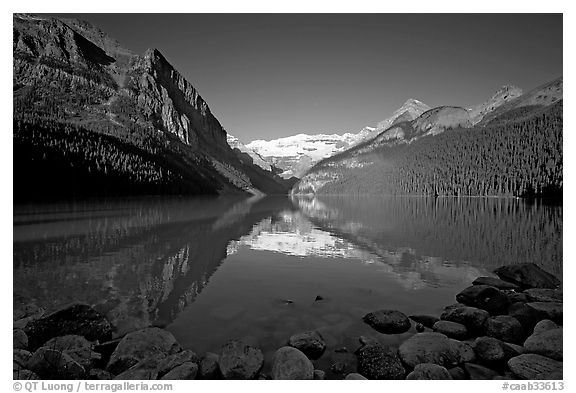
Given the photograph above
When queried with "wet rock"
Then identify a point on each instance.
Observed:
(548, 310)
(388, 321)
(21, 357)
(530, 365)
(290, 363)
(318, 298)
(354, 376)
(431, 348)
(457, 373)
(19, 339)
(544, 325)
(184, 371)
(172, 361)
(547, 343)
(544, 295)
(429, 371)
(473, 318)
(489, 350)
(496, 283)
(79, 319)
(465, 351)
(139, 345)
(505, 328)
(379, 362)
(451, 329)
(310, 343)
(240, 361)
(478, 372)
(527, 316)
(22, 374)
(319, 375)
(53, 364)
(527, 275)
(145, 369)
(486, 298)
(77, 347)
(100, 375)
(209, 367)
(426, 320)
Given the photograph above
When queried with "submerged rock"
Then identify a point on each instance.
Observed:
(531, 366)
(486, 298)
(290, 363)
(378, 362)
(311, 343)
(429, 371)
(547, 343)
(527, 275)
(451, 329)
(388, 321)
(496, 283)
(240, 361)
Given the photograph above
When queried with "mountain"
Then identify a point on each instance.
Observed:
(514, 150)
(244, 151)
(504, 94)
(94, 118)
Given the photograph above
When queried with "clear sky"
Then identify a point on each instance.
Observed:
(266, 76)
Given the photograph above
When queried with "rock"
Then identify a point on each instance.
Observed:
(544, 325)
(290, 363)
(311, 343)
(457, 373)
(486, 298)
(240, 361)
(431, 348)
(517, 297)
(548, 310)
(420, 328)
(53, 364)
(77, 347)
(172, 361)
(19, 339)
(547, 343)
(22, 374)
(319, 375)
(338, 367)
(489, 350)
(527, 316)
(478, 372)
(318, 298)
(379, 362)
(146, 369)
(99, 374)
(464, 350)
(505, 328)
(106, 349)
(556, 375)
(429, 371)
(354, 376)
(22, 317)
(388, 321)
(473, 318)
(209, 367)
(544, 295)
(496, 283)
(527, 275)
(21, 357)
(184, 371)
(79, 319)
(426, 320)
(530, 365)
(139, 345)
(451, 329)
(364, 340)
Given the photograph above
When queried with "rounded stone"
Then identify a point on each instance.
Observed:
(429, 371)
(355, 376)
(451, 329)
(473, 318)
(505, 328)
(209, 367)
(486, 298)
(388, 321)
(378, 362)
(433, 348)
(530, 366)
(544, 325)
(548, 343)
(544, 295)
(311, 343)
(240, 361)
(291, 363)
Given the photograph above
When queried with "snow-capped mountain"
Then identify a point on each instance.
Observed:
(257, 159)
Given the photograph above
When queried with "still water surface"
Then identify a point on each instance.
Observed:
(212, 269)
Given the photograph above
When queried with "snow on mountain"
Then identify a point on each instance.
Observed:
(504, 94)
(257, 159)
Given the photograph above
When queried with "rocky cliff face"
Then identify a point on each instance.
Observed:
(243, 150)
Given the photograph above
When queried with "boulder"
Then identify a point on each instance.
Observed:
(53, 364)
(21, 374)
(544, 325)
(355, 376)
(19, 339)
(319, 375)
(184, 371)
(139, 345)
(429, 371)
(433, 348)
(496, 283)
(517, 297)
(505, 328)
(388, 321)
(527, 316)
(426, 320)
(547, 343)
(457, 373)
(240, 361)
(209, 367)
(548, 310)
(311, 343)
(544, 295)
(490, 350)
(21, 357)
(473, 318)
(77, 347)
(478, 372)
(100, 375)
(172, 361)
(379, 362)
(527, 275)
(79, 319)
(451, 329)
(556, 375)
(486, 298)
(291, 363)
(146, 369)
(530, 366)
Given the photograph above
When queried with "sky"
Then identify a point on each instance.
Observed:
(266, 76)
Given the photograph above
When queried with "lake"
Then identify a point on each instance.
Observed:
(262, 269)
